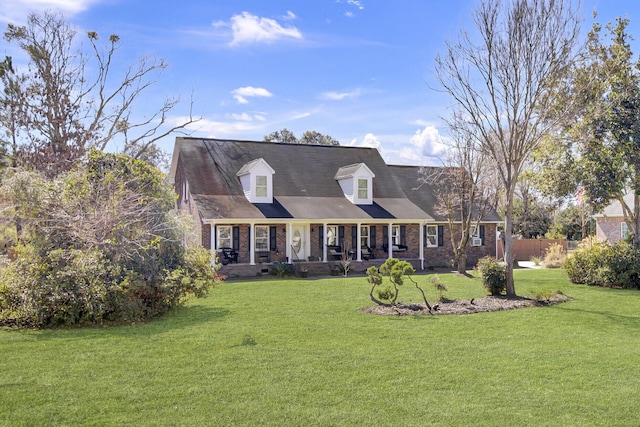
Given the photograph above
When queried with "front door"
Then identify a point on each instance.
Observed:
(300, 242)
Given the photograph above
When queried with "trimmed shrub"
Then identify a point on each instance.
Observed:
(494, 275)
(605, 265)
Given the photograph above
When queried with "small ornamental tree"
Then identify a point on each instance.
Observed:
(395, 270)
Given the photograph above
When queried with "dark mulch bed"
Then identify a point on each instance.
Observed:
(475, 305)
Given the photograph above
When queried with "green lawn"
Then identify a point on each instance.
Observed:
(299, 352)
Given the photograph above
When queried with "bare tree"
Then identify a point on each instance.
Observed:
(505, 84)
(465, 188)
(70, 100)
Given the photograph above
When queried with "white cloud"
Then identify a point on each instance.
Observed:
(213, 129)
(243, 117)
(429, 141)
(409, 155)
(248, 28)
(339, 96)
(242, 93)
(290, 16)
(356, 3)
(17, 11)
(246, 117)
(369, 140)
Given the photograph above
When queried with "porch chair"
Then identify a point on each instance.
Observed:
(229, 255)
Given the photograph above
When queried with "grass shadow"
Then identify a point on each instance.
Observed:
(179, 318)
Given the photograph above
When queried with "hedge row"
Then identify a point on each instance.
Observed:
(606, 265)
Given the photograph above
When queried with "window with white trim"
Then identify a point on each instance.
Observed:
(332, 235)
(363, 188)
(223, 238)
(432, 236)
(261, 186)
(262, 237)
(395, 235)
(364, 235)
(474, 232)
(624, 230)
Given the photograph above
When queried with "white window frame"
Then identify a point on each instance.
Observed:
(395, 235)
(185, 191)
(364, 236)
(261, 238)
(364, 188)
(223, 241)
(262, 187)
(432, 238)
(624, 230)
(332, 229)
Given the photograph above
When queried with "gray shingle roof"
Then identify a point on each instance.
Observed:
(423, 195)
(304, 184)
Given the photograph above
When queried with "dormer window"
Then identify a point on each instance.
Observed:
(256, 178)
(261, 186)
(356, 181)
(363, 188)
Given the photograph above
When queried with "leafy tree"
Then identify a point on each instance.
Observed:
(284, 135)
(312, 137)
(68, 101)
(309, 137)
(504, 85)
(598, 149)
(572, 223)
(100, 243)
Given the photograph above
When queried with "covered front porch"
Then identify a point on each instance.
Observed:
(313, 269)
(251, 247)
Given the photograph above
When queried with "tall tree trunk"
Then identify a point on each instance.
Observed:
(636, 220)
(461, 260)
(508, 246)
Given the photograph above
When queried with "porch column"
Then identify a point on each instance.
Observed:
(252, 244)
(289, 241)
(422, 226)
(358, 245)
(390, 241)
(213, 242)
(324, 242)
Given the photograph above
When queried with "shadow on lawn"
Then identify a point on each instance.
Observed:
(620, 320)
(180, 318)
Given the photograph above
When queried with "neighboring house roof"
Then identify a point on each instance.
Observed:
(615, 208)
(423, 195)
(304, 182)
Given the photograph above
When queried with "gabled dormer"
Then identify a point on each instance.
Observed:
(256, 178)
(356, 182)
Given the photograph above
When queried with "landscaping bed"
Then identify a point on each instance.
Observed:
(474, 305)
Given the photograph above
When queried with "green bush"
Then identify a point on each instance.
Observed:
(494, 275)
(605, 265)
(98, 244)
(74, 287)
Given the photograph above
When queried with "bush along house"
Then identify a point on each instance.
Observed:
(255, 203)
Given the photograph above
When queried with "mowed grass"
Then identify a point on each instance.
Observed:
(300, 352)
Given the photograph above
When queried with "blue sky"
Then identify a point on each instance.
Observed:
(360, 71)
